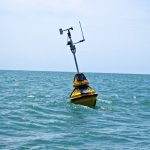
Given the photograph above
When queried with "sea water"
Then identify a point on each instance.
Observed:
(36, 113)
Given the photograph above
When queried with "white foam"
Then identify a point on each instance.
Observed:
(30, 96)
(105, 101)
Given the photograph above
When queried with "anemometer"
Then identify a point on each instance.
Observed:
(71, 44)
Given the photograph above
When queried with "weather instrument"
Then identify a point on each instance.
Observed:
(82, 94)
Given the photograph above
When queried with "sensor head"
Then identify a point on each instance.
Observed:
(61, 31)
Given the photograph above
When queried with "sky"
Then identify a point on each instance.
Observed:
(117, 35)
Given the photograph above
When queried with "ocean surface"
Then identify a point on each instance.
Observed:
(36, 113)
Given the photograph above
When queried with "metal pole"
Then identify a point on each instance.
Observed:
(76, 63)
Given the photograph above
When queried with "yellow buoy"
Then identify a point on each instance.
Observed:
(82, 94)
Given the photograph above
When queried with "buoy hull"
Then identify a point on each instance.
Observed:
(83, 94)
(89, 100)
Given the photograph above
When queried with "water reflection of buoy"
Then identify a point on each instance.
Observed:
(82, 94)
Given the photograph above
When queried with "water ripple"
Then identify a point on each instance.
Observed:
(36, 113)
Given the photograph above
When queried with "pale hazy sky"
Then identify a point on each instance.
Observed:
(117, 34)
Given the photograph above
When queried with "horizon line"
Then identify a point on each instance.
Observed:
(26, 70)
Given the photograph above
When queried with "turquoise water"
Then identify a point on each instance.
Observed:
(35, 112)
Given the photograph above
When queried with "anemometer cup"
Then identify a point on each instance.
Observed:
(61, 31)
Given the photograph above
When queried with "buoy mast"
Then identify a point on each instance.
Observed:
(71, 44)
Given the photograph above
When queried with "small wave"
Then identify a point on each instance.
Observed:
(104, 101)
(146, 102)
(47, 96)
(30, 96)
(77, 108)
(134, 97)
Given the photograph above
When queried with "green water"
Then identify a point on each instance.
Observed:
(36, 113)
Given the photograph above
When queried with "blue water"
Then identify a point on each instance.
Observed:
(36, 114)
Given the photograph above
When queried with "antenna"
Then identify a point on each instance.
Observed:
(82, 35)
(82, 31)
